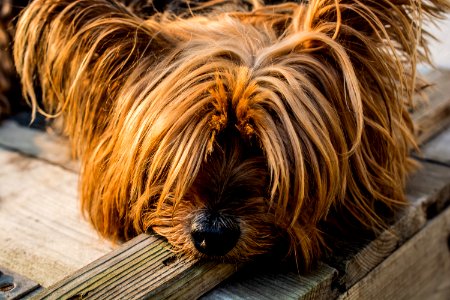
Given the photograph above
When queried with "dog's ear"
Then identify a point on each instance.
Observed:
(79, 54)
(381, 38)
(370, 50)
(360, 56)
(343, 76)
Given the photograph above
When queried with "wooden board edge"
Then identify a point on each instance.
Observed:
(417, 270)
(432, 115)
(428, 198)
(144, 267)
(277, 284)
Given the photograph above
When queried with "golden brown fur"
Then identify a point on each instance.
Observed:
(269, 116)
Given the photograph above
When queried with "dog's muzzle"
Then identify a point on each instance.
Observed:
(214, 234)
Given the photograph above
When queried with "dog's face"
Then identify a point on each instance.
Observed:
(225, 213)
(230, 131)
(228, 138)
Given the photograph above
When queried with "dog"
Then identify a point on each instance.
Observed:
(228, 126)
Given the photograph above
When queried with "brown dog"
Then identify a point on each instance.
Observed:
(227, 125)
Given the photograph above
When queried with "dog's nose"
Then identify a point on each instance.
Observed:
(214, 234)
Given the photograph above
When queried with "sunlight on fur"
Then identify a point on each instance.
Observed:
(231, 119)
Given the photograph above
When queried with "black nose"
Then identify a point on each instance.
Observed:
(214, 234)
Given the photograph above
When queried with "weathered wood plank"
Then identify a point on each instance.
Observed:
(428, 191)
(433, 115)
(43, 236)
(37, 143)
(247, 284)
(420, 269)
(142, 268)
(437, 149)
(15, 286)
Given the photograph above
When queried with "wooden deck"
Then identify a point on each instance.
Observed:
(47, 250)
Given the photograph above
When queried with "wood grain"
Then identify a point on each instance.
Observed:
(46, 146)
(143, 268)
(420, 269)
(437, 149)
(432, 116)
(249, 285)
(428, 191)
(42, 236)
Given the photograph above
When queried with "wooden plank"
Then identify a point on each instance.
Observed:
(15, 286)
(142, 268)
(437, 149)
(37, 143)
(43, 236)
(428, 190)
(266, 284)
(433, 115)
(420, 269)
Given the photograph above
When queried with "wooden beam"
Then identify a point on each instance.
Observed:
(46, 146)
(437, 149)
(43, 235)
(142, 268)
(433, 115)
(427, 190)
(268, 284)
(420, 269)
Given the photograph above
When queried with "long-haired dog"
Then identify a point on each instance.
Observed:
(229, 125)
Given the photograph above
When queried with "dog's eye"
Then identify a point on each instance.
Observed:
(240, 194)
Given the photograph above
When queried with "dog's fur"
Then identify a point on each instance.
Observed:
(230, 124)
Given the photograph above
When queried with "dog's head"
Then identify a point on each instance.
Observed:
(227, 131)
